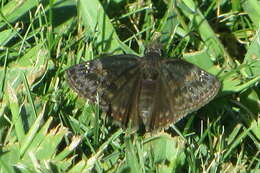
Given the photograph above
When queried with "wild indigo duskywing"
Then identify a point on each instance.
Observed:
(150, 90)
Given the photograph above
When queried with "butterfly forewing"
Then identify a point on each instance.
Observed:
(189, 86)
(97, 76)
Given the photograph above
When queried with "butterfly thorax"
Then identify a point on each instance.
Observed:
(150, 71)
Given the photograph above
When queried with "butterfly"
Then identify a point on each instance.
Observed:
(152, 91)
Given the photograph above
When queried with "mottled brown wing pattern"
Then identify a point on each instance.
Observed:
(195, 87)
(162, 113)
(184, 88)
(123, 99)
(98, 76)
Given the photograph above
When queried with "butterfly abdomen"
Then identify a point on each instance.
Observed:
(146, 100)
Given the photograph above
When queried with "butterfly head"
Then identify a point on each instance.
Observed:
(154, 49)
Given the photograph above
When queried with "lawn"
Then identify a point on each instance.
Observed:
(46, 127)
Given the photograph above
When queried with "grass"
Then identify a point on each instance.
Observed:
(45, 127)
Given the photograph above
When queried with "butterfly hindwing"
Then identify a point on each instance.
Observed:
(124, 99)
(162, 114)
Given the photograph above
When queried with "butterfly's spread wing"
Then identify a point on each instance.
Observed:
(184, 88)
(123, 98)
(113, 80)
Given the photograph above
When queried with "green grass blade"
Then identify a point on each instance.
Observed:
(95, 18)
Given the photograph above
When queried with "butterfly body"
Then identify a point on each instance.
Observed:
(149, 90)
